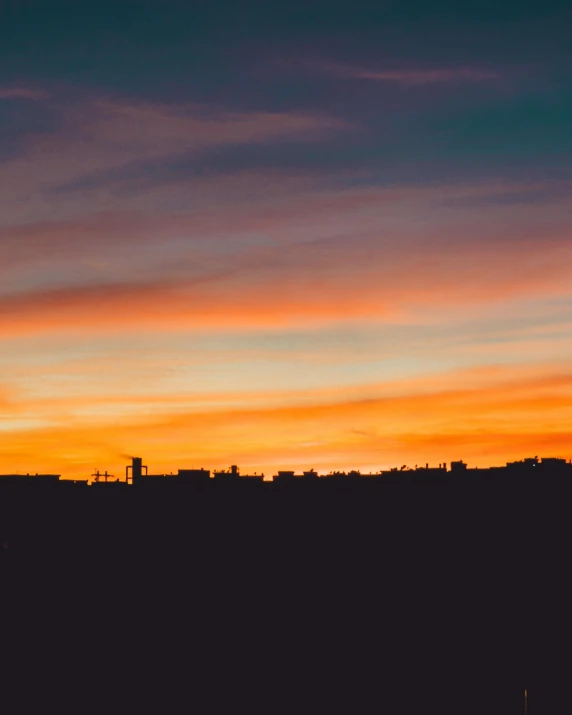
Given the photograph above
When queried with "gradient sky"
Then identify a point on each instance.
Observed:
(308, 234)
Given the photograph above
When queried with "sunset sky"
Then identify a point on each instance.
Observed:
(296, 235)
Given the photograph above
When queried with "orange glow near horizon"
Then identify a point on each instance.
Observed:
(483, 417)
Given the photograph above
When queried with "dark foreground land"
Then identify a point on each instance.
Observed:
(360, 597)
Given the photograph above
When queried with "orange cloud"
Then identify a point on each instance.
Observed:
(305, 284)
(483, 416)
(107, 308)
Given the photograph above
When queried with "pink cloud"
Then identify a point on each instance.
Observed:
(22, 93)
(172, 127)
(103, 136)
(317, 258)
(407, 77)
(275, 285)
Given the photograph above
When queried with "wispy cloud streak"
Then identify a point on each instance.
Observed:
(22, 93)
(406, 76)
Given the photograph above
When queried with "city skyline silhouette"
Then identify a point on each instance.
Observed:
(539, 468)
(445, 585)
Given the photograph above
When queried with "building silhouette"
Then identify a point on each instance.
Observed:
(137, 475)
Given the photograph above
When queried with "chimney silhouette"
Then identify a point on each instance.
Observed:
(136, 468)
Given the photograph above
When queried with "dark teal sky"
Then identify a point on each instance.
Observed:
(255, 56)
